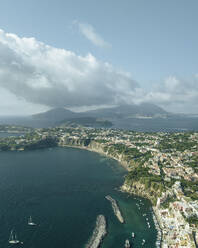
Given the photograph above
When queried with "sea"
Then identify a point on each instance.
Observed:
(64, 190)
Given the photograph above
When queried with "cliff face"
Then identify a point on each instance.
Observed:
(139, 189)
(95, 146)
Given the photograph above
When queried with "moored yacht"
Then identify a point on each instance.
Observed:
(13, 238)
(30, 222)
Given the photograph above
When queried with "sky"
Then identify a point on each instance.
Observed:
(87, 54)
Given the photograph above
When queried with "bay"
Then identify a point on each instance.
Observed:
(64, 190)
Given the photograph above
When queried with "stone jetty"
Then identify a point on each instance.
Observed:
(115, 207)
(98, 233)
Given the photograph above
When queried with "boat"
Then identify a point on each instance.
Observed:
(133, 235)
(127, 244)
(13, 238)
(143, 241)
(30, 222)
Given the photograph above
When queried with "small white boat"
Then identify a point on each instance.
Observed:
(133, 235)
(30, 222)
(127, 244)
(143, 241)
(13, 238)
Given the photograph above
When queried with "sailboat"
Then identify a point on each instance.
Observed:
(13, 238)
(30, 222)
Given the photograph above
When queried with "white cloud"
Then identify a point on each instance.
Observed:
(174, 94)
(53, 77)
(34, 76)
(90, 33)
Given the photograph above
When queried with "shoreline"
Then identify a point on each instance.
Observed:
(124, 164)
(154, 216)
(157, 225)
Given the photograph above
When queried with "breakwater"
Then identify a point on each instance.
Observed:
(98, 233)
(115, 207)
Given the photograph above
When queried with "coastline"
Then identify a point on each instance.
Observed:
(162, 240)
(153, 173)
(134, 187)
(124, 165)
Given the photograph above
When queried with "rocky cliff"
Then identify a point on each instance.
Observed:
(96, 146)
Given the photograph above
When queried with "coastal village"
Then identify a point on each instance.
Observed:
(162, 167)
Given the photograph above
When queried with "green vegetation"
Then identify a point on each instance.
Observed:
(153, 183)
(193, 163)
(131, 153)
(168, 200)
(192, 220)
(190, 189)
(178, 142)
(43, 143)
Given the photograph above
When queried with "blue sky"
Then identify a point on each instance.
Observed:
(154, 41)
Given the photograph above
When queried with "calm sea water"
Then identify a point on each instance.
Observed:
(64, 190)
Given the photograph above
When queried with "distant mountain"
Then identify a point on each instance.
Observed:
(55, 115)
(144, 117)
(122, 111)
(129, 111)
(58, 115)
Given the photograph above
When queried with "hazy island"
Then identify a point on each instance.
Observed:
(162, 167)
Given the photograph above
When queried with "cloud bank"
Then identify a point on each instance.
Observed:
(56, 77)
(175, 94)
(90, 33)
(47, 76)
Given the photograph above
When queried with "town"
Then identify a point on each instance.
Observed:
(162, 167)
